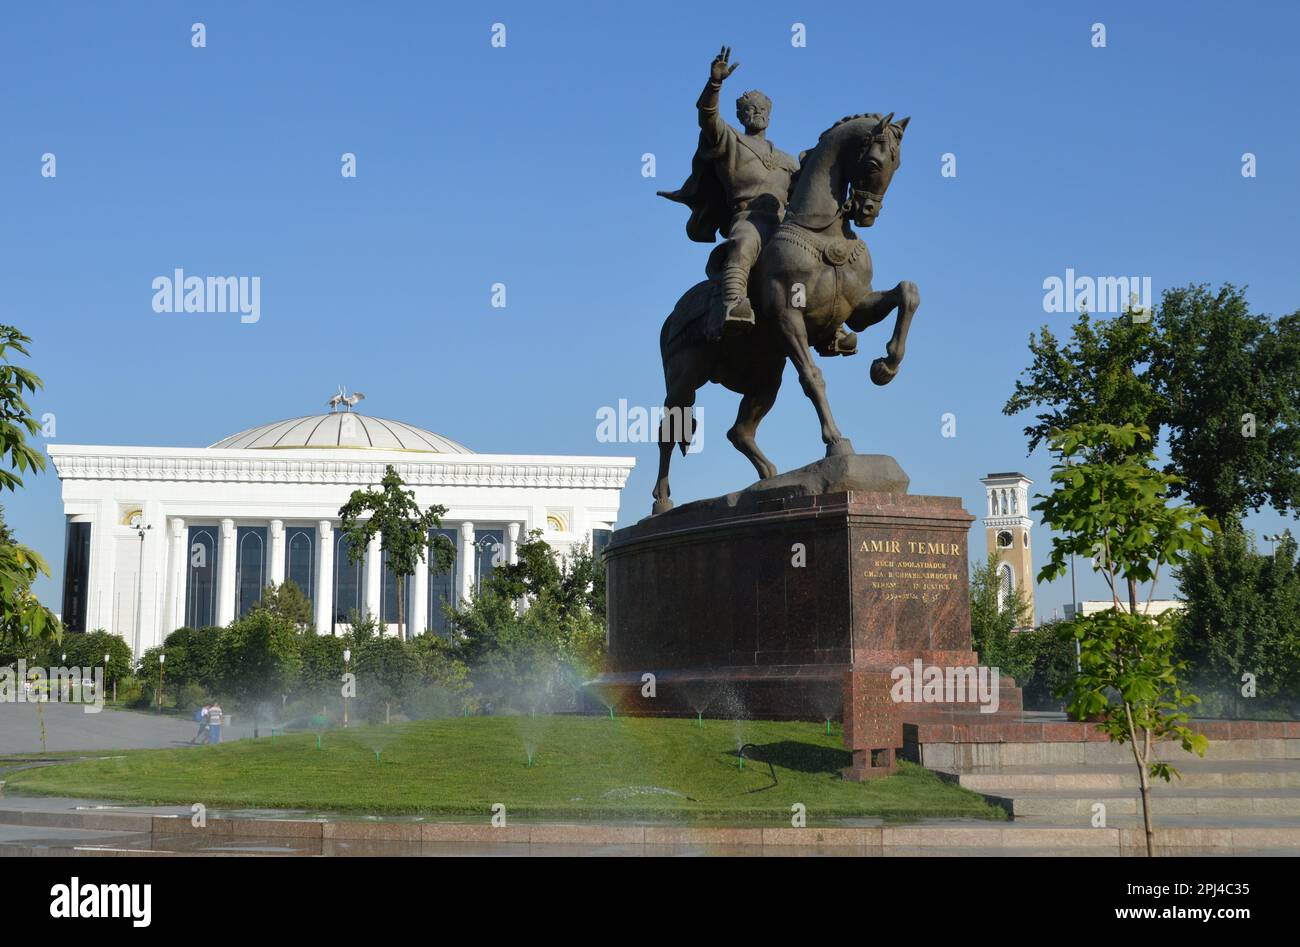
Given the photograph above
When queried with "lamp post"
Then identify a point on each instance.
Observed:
(1277, 538)
(106, 674)
(162, 667)
(139, 584)
(482, 544)
(347, 657)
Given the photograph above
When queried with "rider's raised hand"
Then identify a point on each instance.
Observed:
(721, 70)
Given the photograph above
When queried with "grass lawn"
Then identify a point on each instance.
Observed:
(583, 767)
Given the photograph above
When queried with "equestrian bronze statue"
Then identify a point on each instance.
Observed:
(810, 276)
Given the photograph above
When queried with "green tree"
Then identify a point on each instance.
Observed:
(1221, 383)
(287, 601)
(24, 621)
(386, 668)
(574, 586)
(1101, 376)
(1230, 385)
(1243, 618)
(1044, 663)
(258, 659)
(392, 514)
(1110, 504)
(992, 621)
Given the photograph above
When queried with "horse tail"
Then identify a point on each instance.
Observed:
(680, 340)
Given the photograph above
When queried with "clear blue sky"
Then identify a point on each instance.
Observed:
(522, 165)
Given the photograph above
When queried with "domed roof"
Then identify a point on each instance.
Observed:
(341, 429)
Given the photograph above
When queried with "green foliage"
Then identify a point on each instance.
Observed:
(16, 420)
(1099, 377)
(576, 588)
(88, 650)
(1243, 618)
(392, 514)
(288, 602)
(193, 656)
(1111, 507)
(1043, 663)
(386, 670)
(1194, 371)
(1133, 655)
(1217, 364)
(1109, 503)
(991, 624)
(258, 659)
(24, 621)
(322, 666)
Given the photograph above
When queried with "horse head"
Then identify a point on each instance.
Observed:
(857, 157)
(878, 147)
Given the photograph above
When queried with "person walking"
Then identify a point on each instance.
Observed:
(214, 722)
(201, 718)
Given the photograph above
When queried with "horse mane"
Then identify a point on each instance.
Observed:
(894, 137)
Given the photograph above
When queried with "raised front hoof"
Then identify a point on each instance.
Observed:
(661, 506)
(841, 448)
(881, 373)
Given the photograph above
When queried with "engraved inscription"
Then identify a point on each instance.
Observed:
(911, 570)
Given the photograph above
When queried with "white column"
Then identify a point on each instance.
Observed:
(466, 561)
(176, 561)
(276, 533)
(324, 578)
(418, 619)
(226, 579)
(374, 577)
(512, 543)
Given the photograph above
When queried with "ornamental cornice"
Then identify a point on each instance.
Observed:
(999, 522)
(207, 466)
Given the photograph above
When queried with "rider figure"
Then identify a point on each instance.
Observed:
(739, 186)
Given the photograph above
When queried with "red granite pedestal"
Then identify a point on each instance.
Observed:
(758, 604)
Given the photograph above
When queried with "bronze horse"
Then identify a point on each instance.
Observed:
(813, 276)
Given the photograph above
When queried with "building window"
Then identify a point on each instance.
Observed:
(201, 580)
(76, 576)
(250, 567)
(442, 588)
(489, 552)
(1006, 585)
(300, 559)
(348, 581)
(388, 612)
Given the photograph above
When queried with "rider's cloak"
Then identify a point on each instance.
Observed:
(703, 194)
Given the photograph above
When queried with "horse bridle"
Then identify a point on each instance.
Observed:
(860, 195)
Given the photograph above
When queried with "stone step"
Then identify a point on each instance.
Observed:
(1074, 808)
(964, 756)
(1194, 774)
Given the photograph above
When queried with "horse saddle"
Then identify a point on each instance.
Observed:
(833, 250)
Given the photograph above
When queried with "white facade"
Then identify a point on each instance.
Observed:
(145, 506)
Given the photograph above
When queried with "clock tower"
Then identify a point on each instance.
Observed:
(1006, 526)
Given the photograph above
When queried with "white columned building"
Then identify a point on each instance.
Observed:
(160, 538)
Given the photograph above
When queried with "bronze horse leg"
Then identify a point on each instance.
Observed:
(873, 308)
(760, 394)
(790, 321)
(684, 373)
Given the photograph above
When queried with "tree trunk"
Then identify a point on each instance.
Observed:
(401, 608)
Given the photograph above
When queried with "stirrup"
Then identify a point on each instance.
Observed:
(844, 343)
(738, 317)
